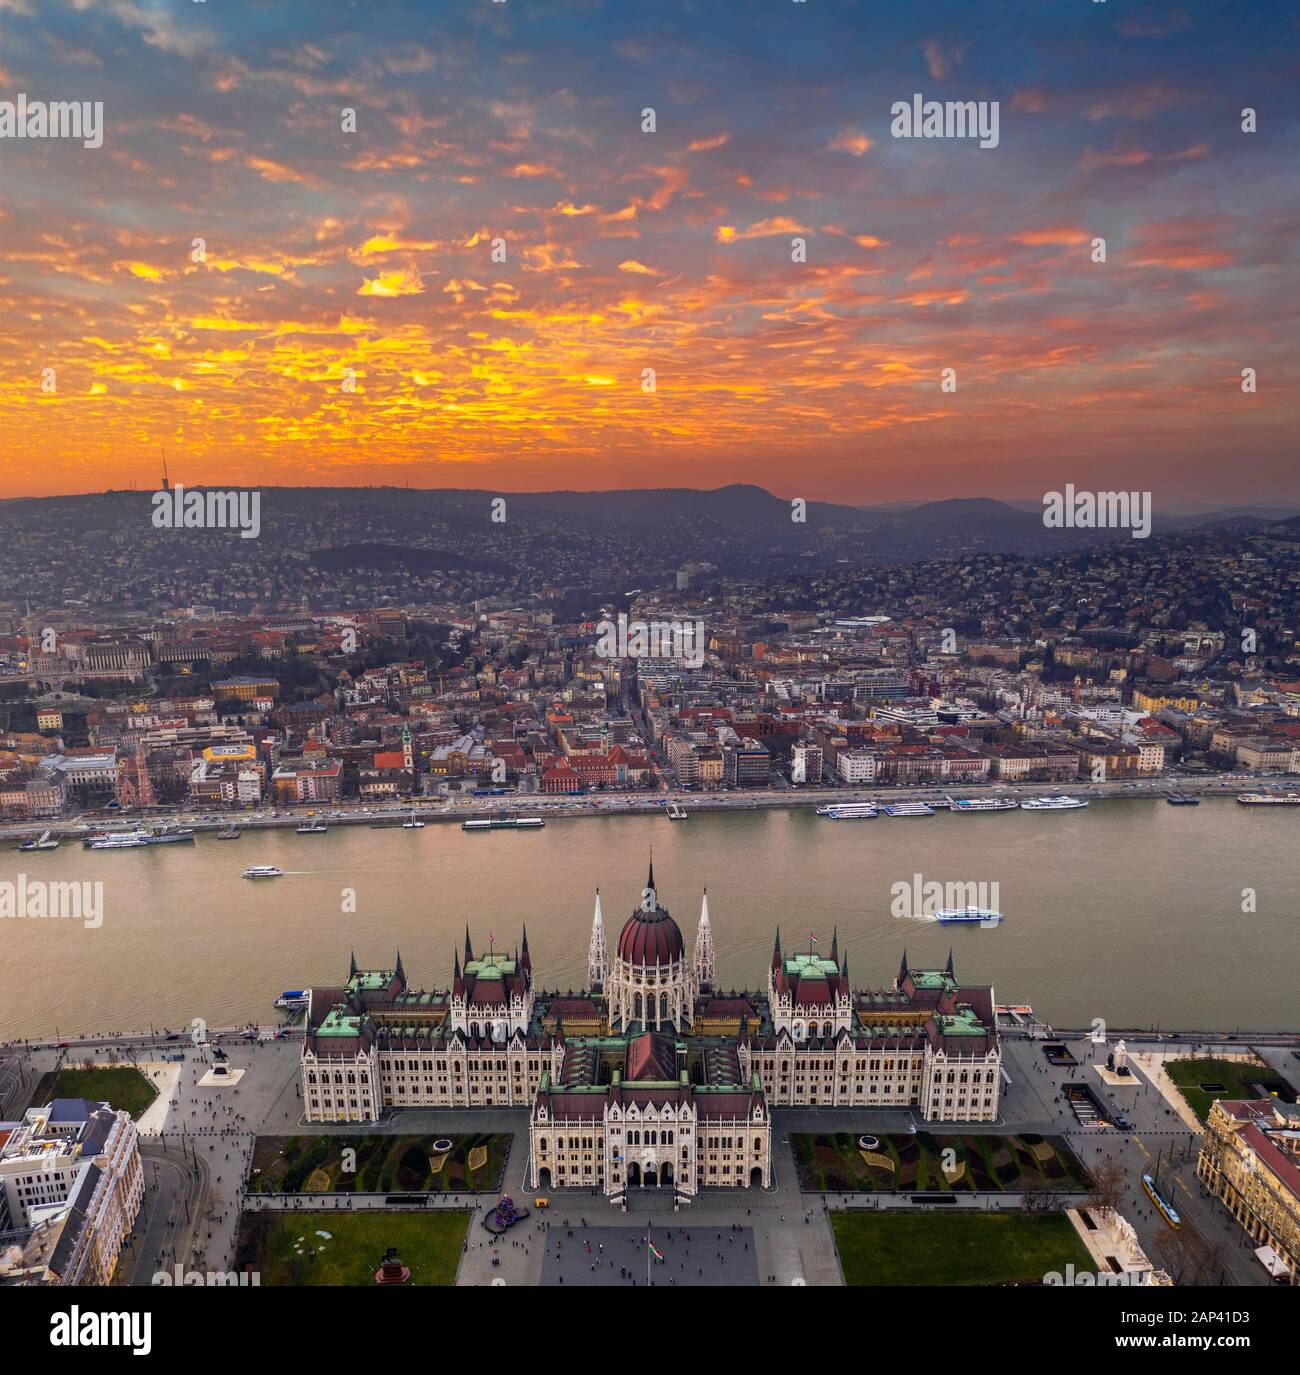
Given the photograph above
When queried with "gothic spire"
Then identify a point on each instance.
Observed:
(597, 952)
(704, 966)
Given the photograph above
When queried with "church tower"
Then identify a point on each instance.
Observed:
(597, 953)
(704, 971)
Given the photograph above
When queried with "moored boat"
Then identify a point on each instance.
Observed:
(170, 836)
(118, 840)
(909, 809)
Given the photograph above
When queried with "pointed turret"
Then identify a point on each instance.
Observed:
(398, 970)
(525, 959)
(835, 945)
(469, 949)
(776, 950)
(704, 950)
(649, 897)
(352, 968)
(597, 952)
(902, 971)
(948, 969)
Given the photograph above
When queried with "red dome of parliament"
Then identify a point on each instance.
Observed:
(650, 938)
(650, 935)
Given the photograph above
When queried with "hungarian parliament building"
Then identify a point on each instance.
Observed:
(651, 1077)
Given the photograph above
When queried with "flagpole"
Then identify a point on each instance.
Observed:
(647, 1253)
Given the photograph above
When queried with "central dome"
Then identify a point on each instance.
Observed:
(650, 935)
(651, 938)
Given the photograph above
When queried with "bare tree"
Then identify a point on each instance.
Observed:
(1186, 1256)
(1038, 1199)
(1107, 1192)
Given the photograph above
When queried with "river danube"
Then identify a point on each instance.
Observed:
(1131, 911)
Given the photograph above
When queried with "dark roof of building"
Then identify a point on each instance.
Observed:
(71, 1110)
(651, 937)
(652, 1056)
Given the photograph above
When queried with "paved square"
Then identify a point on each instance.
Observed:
(691, 1256)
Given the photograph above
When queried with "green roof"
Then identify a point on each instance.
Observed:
(492, 967)
(810, 966)
(372, 980)
(964, 1022)
(934, 978)
(340, 1022)
(420, 999)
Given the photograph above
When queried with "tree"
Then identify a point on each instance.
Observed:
(1186, 1256)
(1038, 1199)
(1107, 1192)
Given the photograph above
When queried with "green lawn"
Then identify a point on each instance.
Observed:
(907, 1163)
(1235, 1076)
(384, 1164)
(121, 1086)
(955, 1249)
(284, 1247)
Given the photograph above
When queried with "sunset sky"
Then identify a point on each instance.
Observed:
(672, 250)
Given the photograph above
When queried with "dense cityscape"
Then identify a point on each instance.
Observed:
(1108, 664)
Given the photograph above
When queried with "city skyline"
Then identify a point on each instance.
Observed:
(627, 250)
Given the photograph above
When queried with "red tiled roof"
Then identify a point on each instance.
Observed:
(1283, 1165)
(651, 938)
(651, 1056)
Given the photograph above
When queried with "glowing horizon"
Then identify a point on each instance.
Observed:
(671, 250)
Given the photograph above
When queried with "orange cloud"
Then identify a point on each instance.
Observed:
(401, 282)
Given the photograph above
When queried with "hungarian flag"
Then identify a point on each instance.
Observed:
(653, 1250)
(812, 938)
